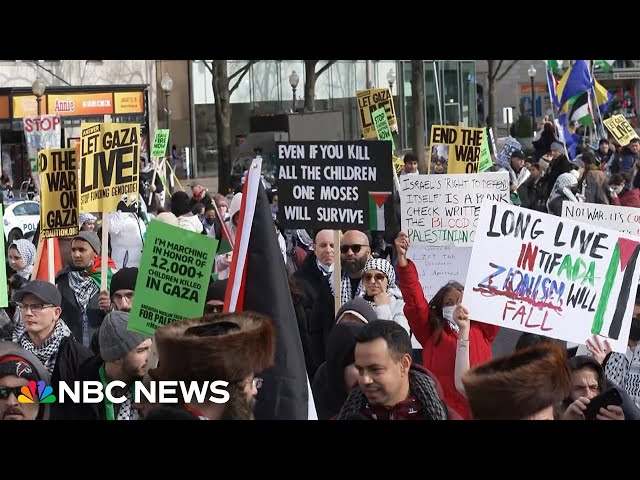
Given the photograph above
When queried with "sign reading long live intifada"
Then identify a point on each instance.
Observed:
(109, 165)
(334, 185)
(59, 192)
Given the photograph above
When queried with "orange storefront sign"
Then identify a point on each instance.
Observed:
(81, 104)
(4, 107)
(129, 102)
(26, 105)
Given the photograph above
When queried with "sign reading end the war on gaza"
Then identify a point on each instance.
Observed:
(334, 185)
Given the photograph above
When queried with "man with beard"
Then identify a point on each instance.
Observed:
(232, 347)
(123, 357)
(122, 285)
(354, 253)
(18, 367)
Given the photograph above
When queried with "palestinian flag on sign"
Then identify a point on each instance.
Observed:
(376, 210)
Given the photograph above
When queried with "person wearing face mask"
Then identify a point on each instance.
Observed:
(434, 327)
(621, 196)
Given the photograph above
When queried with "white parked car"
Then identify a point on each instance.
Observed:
(21, 220)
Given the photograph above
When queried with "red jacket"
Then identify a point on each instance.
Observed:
(630, 198)
(440, 359)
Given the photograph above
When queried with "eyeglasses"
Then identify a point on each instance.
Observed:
(257, 382)
(34, 307)
(208, 309)
(6, 391)
(354, 248)
(378, 277)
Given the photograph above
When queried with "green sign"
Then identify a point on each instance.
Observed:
(173, 277)
(383, 129)
(4, 299)
(160, 143)
(486, 162)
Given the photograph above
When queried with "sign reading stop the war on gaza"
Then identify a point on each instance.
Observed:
(332, 185)
(109, 165)
(59, 192)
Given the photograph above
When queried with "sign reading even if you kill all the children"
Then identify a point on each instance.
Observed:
(552, 276)
(333, 185)
(442, 210)
(174, 276)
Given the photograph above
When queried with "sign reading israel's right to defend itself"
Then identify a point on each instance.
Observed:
(333, 185)
(552, 276)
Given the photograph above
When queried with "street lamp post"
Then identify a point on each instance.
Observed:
(167, 85)
(532, 76)
(294, 79)
(38, 87)
(391, 78)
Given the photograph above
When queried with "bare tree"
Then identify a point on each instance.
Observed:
(310, 82)
(417, 108)
(222, 97)
(494, 76)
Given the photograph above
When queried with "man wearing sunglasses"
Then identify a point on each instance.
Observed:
(17, 368)
(354, 253)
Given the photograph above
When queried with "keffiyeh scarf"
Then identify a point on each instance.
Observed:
(48, 351)
(346, 292)
(27, 251)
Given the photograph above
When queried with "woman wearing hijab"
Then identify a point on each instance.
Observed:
(22, 255)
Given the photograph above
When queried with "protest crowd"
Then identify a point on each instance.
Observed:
(336, 296)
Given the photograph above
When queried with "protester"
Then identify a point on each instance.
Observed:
(21, 256)
(79, 284)
(565, 188)
(433, 325)
(87, 222)
(231, 347)
(215, 296)
(390, 387)
(620, 195)
(527, 384)
(337, 376)
(410, 164)
(18, 367)
(123, 357)
(181, 208)
(357, 310)
(355, 250)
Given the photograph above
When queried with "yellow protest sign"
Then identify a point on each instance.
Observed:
(620, 128)
(371, 100)
(454, 149)
(109, 165)
(398, 164)
(59, 192)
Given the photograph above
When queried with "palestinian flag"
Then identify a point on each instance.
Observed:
(579, 109)
(41, 265)
(376, 210)
(258, 282)
(603, 65)
(554, 66)
(96, 270)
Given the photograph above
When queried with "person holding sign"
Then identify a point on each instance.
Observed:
(433, 325)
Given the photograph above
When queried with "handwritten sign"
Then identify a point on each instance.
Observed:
(621, 129)
(334, 185)
(621, 219)
(442, 210)
(552, 276)
(458, 147)
(59, 195)
(438, 265)
(504, 155)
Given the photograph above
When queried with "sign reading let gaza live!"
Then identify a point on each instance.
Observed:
(552, 276)
(109, 165)
(59, 192)
(173, 277)
(333, 185)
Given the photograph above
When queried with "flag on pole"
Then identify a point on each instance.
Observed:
(577, 79)
(258, 282)
(603, 97)
(41, 266)
(554, 66)
(604, 65)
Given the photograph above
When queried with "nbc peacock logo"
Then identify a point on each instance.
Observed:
(40, 392)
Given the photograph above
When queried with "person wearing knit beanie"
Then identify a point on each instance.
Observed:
(123, 284)
(356, 310)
